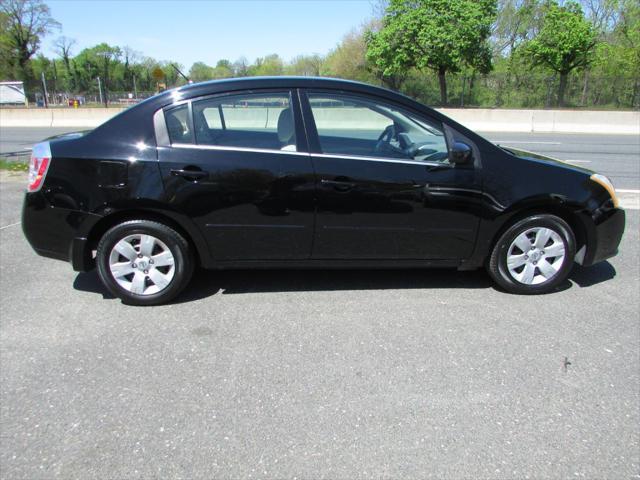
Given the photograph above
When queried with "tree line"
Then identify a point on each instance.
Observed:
(492, 53)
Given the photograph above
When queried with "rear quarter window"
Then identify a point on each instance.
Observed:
(178, 125)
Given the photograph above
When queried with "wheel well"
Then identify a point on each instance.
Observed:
(566, 214)
(104, 224)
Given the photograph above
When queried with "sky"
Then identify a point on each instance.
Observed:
(208, 30)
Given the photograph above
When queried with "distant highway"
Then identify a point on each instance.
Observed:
(617, 156)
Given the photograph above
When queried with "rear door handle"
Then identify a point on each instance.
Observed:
(339, 185)
(189, 174)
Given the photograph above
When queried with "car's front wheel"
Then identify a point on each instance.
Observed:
(144, 262)
(534, 255)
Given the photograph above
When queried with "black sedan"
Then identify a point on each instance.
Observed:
(306, 172)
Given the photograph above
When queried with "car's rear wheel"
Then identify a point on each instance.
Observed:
(534, 255)
(144, 262)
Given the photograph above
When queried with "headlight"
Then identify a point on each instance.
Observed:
(608, 186)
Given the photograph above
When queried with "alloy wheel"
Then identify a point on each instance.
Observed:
(142, 264)
(536, 256)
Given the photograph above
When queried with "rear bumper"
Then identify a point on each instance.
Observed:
(607, 234)
(54, 232)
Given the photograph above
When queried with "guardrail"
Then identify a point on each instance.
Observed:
(485, 120)
(548, 121)
(56, 117)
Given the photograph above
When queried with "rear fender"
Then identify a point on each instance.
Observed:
(145, 209)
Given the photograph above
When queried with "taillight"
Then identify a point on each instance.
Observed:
(38, 165)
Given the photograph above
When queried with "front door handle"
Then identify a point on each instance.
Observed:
(189, 174)
(339, 185)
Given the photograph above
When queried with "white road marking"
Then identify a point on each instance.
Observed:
(576, 161)
(629, 199)
(10, 225)
(527, 142)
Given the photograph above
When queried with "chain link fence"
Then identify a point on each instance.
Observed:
(495, 90)
(66, 99)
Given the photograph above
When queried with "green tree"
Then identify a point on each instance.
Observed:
(306, 65)
(6, 55)
(223, 69)
(108, 58)
(171, 75)
(102, 60)
(348, 59)
(268, 66)
(25, 23)
(241, 67)
(565, 42)
(517, 21)
(627, 33)
(200, 72)
(440, 35)
(393, 79)
(63, 46)
(618, 59)
(126, 76)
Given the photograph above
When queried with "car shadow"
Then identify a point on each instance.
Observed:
(228, 282)
(206, 283)
(90, 282)
(589, 276)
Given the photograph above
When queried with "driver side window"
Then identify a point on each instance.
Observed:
(352, 125)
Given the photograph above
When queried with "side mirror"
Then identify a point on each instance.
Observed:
(460, 154)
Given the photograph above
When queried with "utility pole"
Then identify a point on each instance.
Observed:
(135, 89)
(100, 89)
(44, 88)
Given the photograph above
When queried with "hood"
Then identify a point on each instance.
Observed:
(536, 157)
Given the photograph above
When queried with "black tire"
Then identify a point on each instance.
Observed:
(497, 265)
(182, 267)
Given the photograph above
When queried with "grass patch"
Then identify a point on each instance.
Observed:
(13, 166)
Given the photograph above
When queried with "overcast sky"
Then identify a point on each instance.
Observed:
(190, 31)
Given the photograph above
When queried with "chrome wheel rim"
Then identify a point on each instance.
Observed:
(142, 264)
(536, 256)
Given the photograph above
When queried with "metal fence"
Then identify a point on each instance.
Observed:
(66, 99)
(495, 90)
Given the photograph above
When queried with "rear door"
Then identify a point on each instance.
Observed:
(237, 165)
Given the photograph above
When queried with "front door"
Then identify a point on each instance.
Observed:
(386, 189)
(235, 166)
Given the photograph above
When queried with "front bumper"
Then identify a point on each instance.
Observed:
(607, 233)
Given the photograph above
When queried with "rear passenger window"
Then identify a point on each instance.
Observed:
(177, 120)
(262, 121)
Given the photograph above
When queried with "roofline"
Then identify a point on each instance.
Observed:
(289, 81)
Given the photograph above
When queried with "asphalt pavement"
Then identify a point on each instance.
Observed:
(21, 139)
(617, 156)
(317, 374)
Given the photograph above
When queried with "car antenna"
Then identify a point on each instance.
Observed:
(181, 74)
